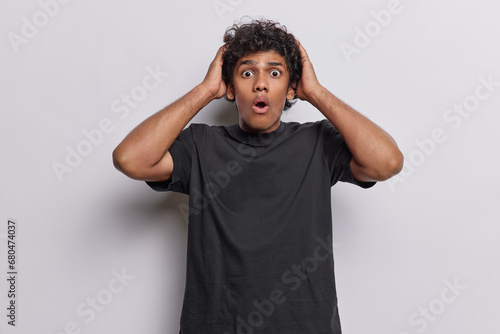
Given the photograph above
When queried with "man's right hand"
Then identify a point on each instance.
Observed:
(213, 82)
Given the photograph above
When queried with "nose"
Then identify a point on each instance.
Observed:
(260, 83)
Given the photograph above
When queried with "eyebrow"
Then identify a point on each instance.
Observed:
(253, 62)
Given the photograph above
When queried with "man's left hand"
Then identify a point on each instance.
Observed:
(308, 83)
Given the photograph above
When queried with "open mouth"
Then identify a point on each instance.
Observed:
(260, 106)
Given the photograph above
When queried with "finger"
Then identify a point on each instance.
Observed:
(219, 54)
(222, 50)
(302, 50)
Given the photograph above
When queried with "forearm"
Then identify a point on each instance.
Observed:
(375, 153)
(148, 143)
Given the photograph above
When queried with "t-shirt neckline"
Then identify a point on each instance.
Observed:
(258, 139)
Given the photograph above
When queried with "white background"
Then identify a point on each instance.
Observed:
(398, 245)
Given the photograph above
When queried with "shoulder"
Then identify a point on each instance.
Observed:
(204, 134)
(308, 125)
(317, 127)
(202, 129)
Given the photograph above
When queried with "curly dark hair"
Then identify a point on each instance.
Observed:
(243, 39)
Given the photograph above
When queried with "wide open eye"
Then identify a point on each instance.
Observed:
(247, 74)
(275, 73)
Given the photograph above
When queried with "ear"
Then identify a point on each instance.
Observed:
(230, 92)
(290, 94)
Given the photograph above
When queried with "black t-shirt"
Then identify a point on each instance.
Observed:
(260, 255)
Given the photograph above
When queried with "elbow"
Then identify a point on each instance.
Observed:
(124, 163)
(131, 163)
(394, 165)
(118, 159)
(383, 168)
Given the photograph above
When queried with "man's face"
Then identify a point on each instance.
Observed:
(260, 89)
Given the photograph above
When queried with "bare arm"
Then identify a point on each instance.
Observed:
(143, 154)
(376, 156)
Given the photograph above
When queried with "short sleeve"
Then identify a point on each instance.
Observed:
(338, 156)
(181, 151)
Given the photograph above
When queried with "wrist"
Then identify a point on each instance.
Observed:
(317, 95)
(204, 94)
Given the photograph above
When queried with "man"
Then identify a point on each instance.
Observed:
(260, 228)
